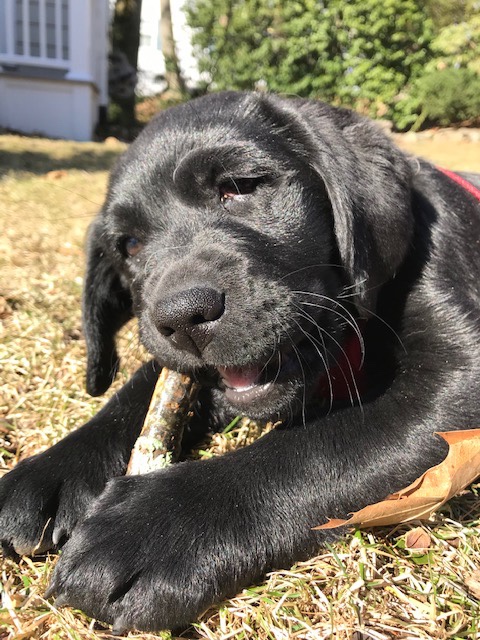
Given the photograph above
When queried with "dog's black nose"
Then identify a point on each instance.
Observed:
(188, 317)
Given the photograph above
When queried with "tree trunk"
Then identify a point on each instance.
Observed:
(125, 39)
(173, 76)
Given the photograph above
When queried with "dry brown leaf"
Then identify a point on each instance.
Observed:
(417, 538)
(56, 174)
(430, 491)
(5, 308)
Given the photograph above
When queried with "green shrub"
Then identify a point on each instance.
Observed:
(359, 53)
(458, 45)
(381, 57)
(447, 97)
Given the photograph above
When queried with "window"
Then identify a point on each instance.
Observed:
(35, 28)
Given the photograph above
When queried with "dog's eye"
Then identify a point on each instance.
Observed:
(131, 246)
(235, 187)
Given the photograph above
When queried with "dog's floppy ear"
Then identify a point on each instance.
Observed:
(107, 305)
(368, 181)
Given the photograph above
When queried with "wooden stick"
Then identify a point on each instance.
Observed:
(159, 443)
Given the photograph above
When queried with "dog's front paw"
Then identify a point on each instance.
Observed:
(43, 497)
(155, 551)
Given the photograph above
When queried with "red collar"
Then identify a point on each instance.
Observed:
(346, 380)
(468, 186)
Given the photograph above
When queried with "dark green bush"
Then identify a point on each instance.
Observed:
(359, 53)
(380, 57)
(448, 96)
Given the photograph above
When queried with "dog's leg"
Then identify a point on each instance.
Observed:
(44, 496)
(156, 550)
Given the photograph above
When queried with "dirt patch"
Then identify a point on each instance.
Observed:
(456, 149)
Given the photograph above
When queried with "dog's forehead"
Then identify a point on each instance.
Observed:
(195, 141)
(171, 144)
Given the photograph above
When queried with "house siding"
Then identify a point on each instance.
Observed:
(53, 66)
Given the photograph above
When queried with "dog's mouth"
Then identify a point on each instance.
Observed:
(253, 387)
(244, 385)
(256, 388)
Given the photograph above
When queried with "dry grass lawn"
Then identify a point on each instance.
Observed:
(368, 586)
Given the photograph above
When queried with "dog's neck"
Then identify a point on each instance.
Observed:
(468, 186)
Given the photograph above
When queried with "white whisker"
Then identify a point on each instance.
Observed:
(323, 359)
(352, 375)
(304, 399)
(349, 318)
(352, 286)
(313, 266)
(384, 322)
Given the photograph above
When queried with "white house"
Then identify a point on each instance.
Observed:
(54, 62)
(53, 66)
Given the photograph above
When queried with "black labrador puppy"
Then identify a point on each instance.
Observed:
(305, 270)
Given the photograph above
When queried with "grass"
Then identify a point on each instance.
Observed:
(367, 586)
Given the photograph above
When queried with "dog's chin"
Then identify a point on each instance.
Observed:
(271, 401)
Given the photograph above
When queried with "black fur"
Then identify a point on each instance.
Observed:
(332, 226)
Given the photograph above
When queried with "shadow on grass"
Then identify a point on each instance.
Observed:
(40, 161)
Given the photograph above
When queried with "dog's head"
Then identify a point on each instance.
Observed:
(231, 228)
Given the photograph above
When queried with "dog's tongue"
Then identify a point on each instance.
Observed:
(240, 377)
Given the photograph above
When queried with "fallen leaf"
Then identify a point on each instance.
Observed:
(68, 249)
(454, 542)
(5, 308)
(363, 635)
(56, 174)
(112, 141)
(417, 538)
(472, 582)
(430, 491)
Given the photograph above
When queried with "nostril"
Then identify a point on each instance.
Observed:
(211, 307)
(166, 331)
